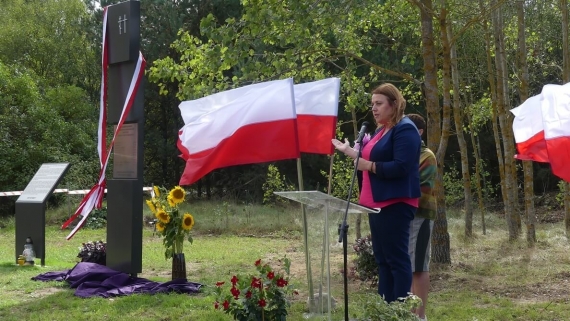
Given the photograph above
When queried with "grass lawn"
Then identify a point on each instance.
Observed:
(489, 278)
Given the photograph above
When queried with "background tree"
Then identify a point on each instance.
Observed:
(49, 37)
(43, 126)
(565, 80)
(523, 92)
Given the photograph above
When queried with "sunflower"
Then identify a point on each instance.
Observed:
(170, 201)
(151, 206)
(160, 227)
(187, 221)
(177, 194)
(156, 191)
(163, 216)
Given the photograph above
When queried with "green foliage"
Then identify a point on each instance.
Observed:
(375, 308)
(49, 37)
(343, 170)
(97, 219)
(480, 113)
(561, 193)
(453, 184)
(275, 182)
(43, 126)
(325, 39)
(40, 124)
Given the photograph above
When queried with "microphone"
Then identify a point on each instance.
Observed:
(362, 132)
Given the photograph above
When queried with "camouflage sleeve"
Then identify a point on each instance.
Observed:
(428, 170)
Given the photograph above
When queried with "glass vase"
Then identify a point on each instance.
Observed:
(178, 266)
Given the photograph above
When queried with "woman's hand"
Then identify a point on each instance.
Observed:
(343, 147)
(365, 165)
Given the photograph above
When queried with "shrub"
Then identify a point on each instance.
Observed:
(263, 295)
(375, 308)
(97, 219)
(365, 265)
(275, 182)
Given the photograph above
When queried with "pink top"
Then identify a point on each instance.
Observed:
(366, 198)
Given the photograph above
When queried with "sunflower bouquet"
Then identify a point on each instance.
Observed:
(173, 224)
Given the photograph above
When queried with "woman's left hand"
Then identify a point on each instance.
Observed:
(363, 164)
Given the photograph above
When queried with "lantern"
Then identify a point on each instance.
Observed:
(29, 253)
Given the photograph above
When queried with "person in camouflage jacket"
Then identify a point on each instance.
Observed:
(422, 225)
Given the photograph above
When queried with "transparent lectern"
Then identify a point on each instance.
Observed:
(321, 216)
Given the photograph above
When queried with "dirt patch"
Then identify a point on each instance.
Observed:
(41, 293)
(167, 273)
(555, 289)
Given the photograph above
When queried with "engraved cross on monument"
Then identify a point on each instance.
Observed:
(122, 24)
(124, 190)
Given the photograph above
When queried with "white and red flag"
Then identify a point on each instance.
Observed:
(247, 125)
(542, 129)
(316, 104)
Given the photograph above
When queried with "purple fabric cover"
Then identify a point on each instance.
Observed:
(92, 279)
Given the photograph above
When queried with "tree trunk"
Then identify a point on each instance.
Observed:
(441, 253)
(509, 184)
(566, 79)
(527, 165)
(458, 118)
(478, 168)
(440, 235)
(492, 87)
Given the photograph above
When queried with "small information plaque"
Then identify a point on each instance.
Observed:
(125, 152)
(43, 183)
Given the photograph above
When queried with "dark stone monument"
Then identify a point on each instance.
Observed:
(31, 208)
(124, 190)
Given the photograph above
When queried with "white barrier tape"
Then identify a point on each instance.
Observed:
(10, 193)
(79, 192)
(63, 190)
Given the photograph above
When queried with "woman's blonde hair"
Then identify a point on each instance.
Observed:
(395, 99)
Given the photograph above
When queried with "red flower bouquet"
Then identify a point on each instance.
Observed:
(263, 296)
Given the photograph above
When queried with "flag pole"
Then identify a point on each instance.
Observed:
(329, 189)
(305, 237)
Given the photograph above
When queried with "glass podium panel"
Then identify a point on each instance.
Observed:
(322, 214)
(316, 199)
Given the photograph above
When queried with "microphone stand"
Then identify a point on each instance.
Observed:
(343, 229)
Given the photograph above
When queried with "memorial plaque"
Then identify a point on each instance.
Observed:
(43, 183)
(125, 152)
(31, 208)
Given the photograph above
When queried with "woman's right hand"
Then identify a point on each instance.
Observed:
(343, 147)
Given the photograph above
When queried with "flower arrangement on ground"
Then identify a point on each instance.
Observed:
(263, 296)
(94, 252)
(173, 225)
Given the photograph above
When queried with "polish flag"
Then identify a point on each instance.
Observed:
(317, 110)
(542, 129)
(247, 125)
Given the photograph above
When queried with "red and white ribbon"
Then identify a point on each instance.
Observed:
(95, 196)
